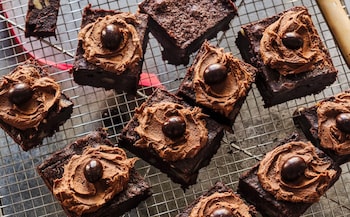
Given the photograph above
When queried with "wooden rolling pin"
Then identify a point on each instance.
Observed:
(339, 24)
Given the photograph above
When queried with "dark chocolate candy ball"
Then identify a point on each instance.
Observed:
(215, 73)
(292, 40)
(174, 127)
(221, 212)
(343, 122)
(93, 170)
(293, 168)
(111, 37)
(20, 93)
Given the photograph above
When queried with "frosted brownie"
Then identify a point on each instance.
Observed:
(111, 49)
(92, 177)
(289, 54)
(32, 105)
(218, 82)
(289, 179)
(173, 136)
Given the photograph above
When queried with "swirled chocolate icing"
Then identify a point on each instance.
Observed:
(309, 187)
(222, 96)
(81, 196)
(30, 114)
(151, 120)
(291, 61)
(331, 137)
(118, 60)
(207, 205)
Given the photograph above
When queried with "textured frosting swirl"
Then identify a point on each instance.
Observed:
(331, 137)
(291, 61)
(81, 196)
(207, 205)
(308, 188)
(30, 114)
(118, 60)
(222, 96)
(151, 119)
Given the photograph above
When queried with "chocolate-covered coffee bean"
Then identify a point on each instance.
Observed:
(111, 37)
(292, 40)
(174, 127)
(20, 93)
(293, 169)
(221, 212)
(93, 170)
(342, 121)
(215, 73)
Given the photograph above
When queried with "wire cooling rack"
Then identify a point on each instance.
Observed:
(23, 193)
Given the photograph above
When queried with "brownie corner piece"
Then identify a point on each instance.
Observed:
(287, 70)
(117, 64)
(172, 153)
(53, 168)
(254, 183)
(25, 116)
(182, 26)
(41, 18)
(218, 82)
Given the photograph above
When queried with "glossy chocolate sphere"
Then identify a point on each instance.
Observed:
(221, 212)
(292, 40)
(293, 169)
(111, 37)
(20, 93)
(174, 127)
(93, 170)
(343, 122)
(215, 73)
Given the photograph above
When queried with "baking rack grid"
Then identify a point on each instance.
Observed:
(23, 193)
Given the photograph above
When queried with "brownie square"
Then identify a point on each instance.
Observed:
(294, 197)
(93, 74)
(182, 26)
(222, 98)
(182, 156)
(41, 18)
(32, 105)
(332, 138)
(289, 70)
(136, 190)
(219, 199)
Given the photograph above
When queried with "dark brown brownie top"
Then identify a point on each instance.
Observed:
(187, 20)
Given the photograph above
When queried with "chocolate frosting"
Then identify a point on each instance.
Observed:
(291, 61)
(81, 196)
(222, 96)
(331, 137)
(151, 120)
(118, 60)
(207, 205)
(308, 188)
(30, 114)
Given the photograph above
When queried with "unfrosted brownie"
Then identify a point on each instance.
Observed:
(32, 105)
(289, 179)
(173, 136)
(94, 146)
(181, 26)
(218, 201)
(327, 125)
(111, 49)
(289, 54)
(41, 18)
(218, 82)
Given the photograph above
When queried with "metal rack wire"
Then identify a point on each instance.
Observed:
(23, 193)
